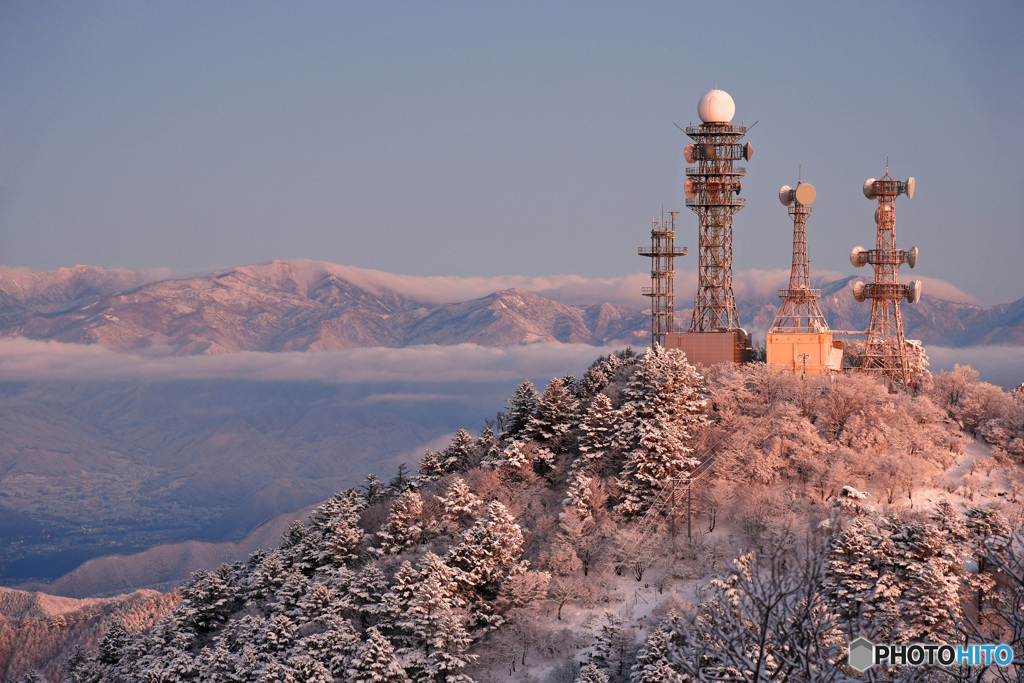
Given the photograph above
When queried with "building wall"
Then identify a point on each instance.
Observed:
(711, 348)
(823, 353)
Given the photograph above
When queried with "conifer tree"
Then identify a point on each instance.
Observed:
(556, 412)
(459, 455)
(458, 502)
(487, 551)
(522, 407)
(340, 533)
(590, 673)
(376, 662)
(403, 528)
(489, 448)
(401, 481)
(597, 434)
(667, 398)
(430, 467)
(373, 489)
(652, 664)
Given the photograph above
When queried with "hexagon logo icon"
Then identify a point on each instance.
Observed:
(862, 654)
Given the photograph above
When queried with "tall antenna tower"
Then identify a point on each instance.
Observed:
(800, 310)
(799, 339)
(886, 351)
(711, 189)
(662, 253)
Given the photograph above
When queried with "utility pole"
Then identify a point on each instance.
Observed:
(805, 356)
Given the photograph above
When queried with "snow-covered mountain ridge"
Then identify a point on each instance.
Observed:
(314, 306)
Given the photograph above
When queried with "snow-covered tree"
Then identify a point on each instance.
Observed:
(403, 528)
(765, 621)
(487, 551)
(434, 626)
(458, 456)
(555, 414)
(521, 409)
(376, 662)
(597, 435)
(590, 673)
(667, 397)
(652, 664)
(373, 489)
(458, 502)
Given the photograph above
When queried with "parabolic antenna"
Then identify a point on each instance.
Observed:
(858, 291)
(912, 257)
(688, 154)
(858, 257)
(786, 195)
(689, 187)
(805, 194)
(869, 188)
(914, 291)
(885, 209)
(909, 188)
(739, 186)
(748, 151)
(716, 106)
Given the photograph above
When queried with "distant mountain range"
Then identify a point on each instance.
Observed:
(309, 306)
(281, 306)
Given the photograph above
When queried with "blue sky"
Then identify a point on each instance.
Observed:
(481, 139)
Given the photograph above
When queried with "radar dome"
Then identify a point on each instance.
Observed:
(716, 107)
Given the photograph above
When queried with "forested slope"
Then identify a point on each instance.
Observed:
(643, 523)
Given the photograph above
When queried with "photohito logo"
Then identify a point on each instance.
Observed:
(864, 654)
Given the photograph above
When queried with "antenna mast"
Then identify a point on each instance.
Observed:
(662, 253)
(886, 350)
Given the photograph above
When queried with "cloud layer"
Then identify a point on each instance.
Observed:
(26, 360)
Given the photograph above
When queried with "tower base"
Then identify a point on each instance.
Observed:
(711, 348)
(789, 350)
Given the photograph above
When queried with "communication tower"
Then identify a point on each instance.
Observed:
(800, 311)
(662, 253)
(886, 351)
(712, 188)
(799, 338)
(712, 192)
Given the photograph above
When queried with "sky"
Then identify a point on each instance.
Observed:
(500, 139)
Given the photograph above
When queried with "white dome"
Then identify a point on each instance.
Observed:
(716, 107)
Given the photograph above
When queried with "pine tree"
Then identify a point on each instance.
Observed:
(652, 664)
(666, 395)
(590, 673)
(401, 481)
(522, 407)
(376, 662)
(430, 467)
(458, 502)
(340, 534)
(433, 626)
(489, 448)
(596, 435)
(115, 642)
(487, 551)
(395, 603)
(373, 489)
(403, 528)
(556, 412)
(458, 457)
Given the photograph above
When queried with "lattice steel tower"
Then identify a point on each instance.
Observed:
(886, 350)
(712, 187)
(662, 253)
(800, 310)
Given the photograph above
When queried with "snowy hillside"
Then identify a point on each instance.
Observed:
(640, 524)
